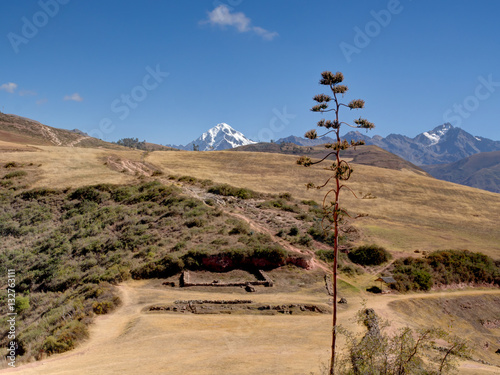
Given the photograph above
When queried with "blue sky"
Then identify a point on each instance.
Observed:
(166, 71)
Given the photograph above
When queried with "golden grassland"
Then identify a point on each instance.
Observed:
(410, 211)
(132, 341)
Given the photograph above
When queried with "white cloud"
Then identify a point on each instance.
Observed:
(9, 87)
(222, 16)
(267, 35)
(75, 97)
(27, 93)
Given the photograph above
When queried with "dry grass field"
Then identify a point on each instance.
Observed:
(132, 341)
(410, 211)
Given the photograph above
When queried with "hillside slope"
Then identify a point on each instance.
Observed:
(366, 155)
(480, 170)
(17, 129)
(403, 210)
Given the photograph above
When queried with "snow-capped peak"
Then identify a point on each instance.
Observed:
(221, 137)
(436, 134)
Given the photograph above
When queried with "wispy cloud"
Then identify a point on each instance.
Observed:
(41, 101)
(222, 16)
(27, 93)
(75, 97)
(9, 87)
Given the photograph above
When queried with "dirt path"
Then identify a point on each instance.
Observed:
(48, 133)
(73, 143)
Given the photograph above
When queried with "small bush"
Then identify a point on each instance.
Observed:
(240, 228)
(14, 174)
(326, 255)
(11, 164)
(369, 255)
(305, 240)
(22, 304)
(87, 193)
(194, 222)
(374, 289)
(187, 179)
(309, 203)
(293, 231)
(38, 193)
(228, 190)
(285, 196)
(165, 267)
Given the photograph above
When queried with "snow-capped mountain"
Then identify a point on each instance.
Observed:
(220, 137)
(443, 144)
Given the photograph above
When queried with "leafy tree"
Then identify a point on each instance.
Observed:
(132, 143)
(341, 169)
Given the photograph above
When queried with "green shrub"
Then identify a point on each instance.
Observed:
(240, 228)
(293, 231)
(87, 193)
(282, 205)
(11, 164)
(194, 222)
(350, 270)
(285, 196)
(412, 274)
(228, 190)
(309, 203)
(165, 267)
(38, 193)
(104, 307)
(369, 255)
(22, 304)
(65, 338)
(326, 255)
(14, 174)
(274, 255)
(445, 267)
(305, 240)
(179, 246)
(187, 179)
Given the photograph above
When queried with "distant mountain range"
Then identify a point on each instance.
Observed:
(443, 144)
(446, 152)
(220, 137)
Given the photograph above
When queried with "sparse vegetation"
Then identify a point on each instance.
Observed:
(404, 352)
(132, 143)
(369, 255)
(444, 268)
(83, 240)
(228, 190)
